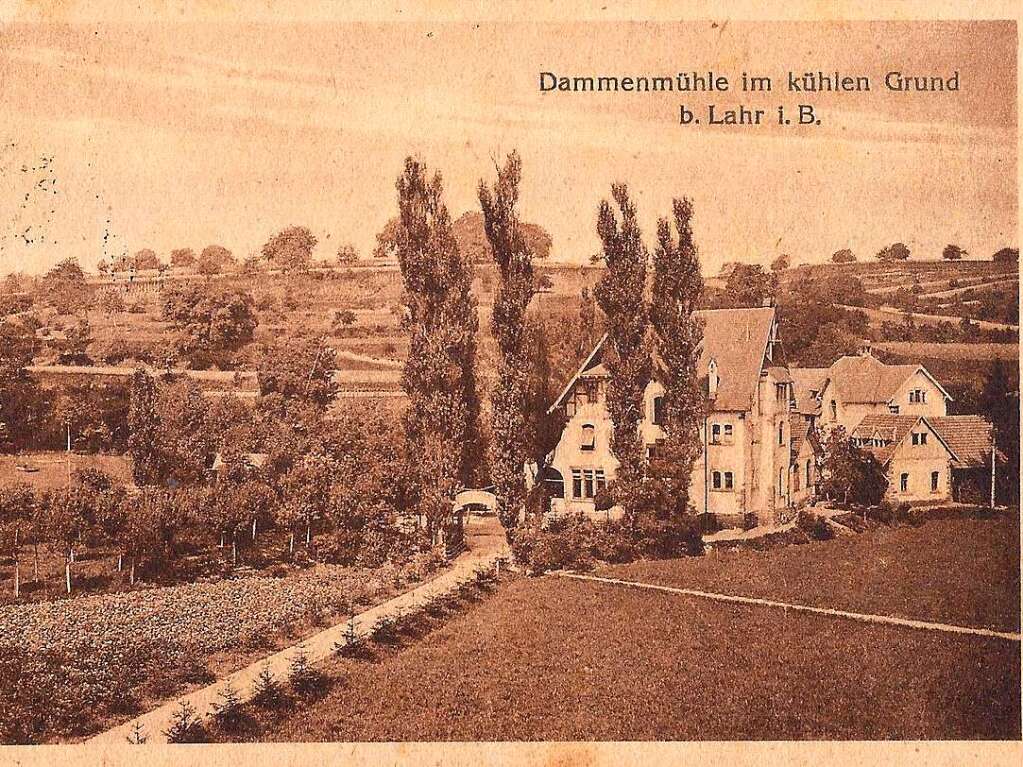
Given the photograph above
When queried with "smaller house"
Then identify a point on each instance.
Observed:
(859, 385)
(928, 458)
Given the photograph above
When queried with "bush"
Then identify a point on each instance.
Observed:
(185, 726)
(227, 710)
(668, 538)
(883, 512)
(267, 693)
(817, 528)
(303, 678)
(749, 520)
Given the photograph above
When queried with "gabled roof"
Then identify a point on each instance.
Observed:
(735, 338)
(893, 429)
(865, 379)
(968, 436)
(799, 430)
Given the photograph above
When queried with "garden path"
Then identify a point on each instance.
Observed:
(486, 546)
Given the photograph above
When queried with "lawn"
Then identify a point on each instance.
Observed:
(557, 659)
(963, 571)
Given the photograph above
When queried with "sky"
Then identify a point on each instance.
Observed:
(116, 137)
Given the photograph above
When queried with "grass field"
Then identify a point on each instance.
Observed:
(50, 469)
(920, 350)
(567, 660)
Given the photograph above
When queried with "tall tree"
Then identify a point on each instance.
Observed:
(677, 291)
(514, 259)
(442, 419)
(182, 257)
(620, 295)
(843, 256)
(144, 430)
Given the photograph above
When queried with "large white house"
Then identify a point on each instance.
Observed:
(756, 453)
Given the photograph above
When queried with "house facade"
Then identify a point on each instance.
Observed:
(856, 386)
(927, 458)
(746, 462)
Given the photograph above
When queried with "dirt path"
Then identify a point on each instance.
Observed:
(891, 314)
(487, 546)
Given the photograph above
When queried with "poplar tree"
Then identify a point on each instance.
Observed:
(511, 397)
(144, 430)
(442, 419)
(620, 295)
(678, 333)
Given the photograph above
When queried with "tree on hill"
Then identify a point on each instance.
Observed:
(999, 401)
(302, 371)
(895, 252)
(214, 259)
(210, 322)
(470, 234)
(347, 254)
(469, 231)
(144, 430)
(65, 287)
(953, 253)
(781, 263)
(620, 295)
(290, 249)
(182, 257)
(103, 266)
(843, 256)
(514, 258)
(748, 286)
(1006, 255)
(19, 410)
(145, 259)
(442, 426)
(677, 292)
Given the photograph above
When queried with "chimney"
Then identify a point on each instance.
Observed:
(866, 348)
(712, 378)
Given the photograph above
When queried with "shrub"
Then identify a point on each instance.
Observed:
(303, 678)
(883, 512)
(267, 693)
(909, 515)
(749, 520)
(817, 528)
(385, 630)
(603, 500)
(668, 538)
(227, 710)
(185, 726)
(352, 645)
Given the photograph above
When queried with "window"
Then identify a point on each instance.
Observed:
(920, 438)
(918, 395)
(728, 480)
(715, 434)
(600, 480)
(589, 440)
(781, 433)
(727, 438)
(657, 414)
(808, 478)
(934, 481)
(893, 409)
(592, 391)
(781, 482)
(577, 483)
(588, 483)
(903, 483)
(716, 480)
(795, 480)
(722, 480)
(834, 409)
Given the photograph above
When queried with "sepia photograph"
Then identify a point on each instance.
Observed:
(384, 379)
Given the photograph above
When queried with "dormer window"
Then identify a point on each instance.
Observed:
(713, 379)
(589, 438)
